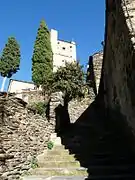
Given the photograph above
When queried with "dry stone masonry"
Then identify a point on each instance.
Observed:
(77, 107)
(118, 73)
(31, 96)
(97, 67)
(129, 11)
(23, 135)
(56, 99)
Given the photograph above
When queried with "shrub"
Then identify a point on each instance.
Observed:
(50, 145)
(34, 163)
(69, 79)
(39, 107)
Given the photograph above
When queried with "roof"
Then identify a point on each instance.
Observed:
(98, 52)
(29, 82)
(70, 42)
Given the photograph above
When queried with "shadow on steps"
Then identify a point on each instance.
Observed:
(102, 145)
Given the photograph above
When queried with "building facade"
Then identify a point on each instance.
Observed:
(17, 86)
(63, 51)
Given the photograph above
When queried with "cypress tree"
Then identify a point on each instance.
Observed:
(42, 59)
(9, 60)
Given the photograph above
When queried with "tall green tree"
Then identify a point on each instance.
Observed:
(9, 60)
(42, 59)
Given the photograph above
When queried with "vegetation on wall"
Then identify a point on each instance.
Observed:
(9, 60)
(39, 107)
(50, 145)
(42, 60)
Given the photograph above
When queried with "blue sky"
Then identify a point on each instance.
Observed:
(82, 21)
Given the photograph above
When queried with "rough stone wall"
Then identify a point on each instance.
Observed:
(31, 96)
(56, 99)
(118, 73)
(129, 12)
(97, 66)
(22, 134)
(77, 107)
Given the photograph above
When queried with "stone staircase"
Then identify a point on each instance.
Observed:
(56, 163)
(106, 153)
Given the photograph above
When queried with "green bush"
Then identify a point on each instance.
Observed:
(34, 163)
(69, 79)
(50, 145)
(39, 107)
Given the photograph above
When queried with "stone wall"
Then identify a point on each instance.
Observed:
(97, 67)
(94, 72)
(77, 107)
(22, 135)
(30, 96)
(118, 74)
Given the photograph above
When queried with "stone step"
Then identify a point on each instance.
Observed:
(110, 161)
(58, 164)
(59, 171)
(112, 177)
(61, 147)
(95, 154)
(56, 152)
(111, 170)
(54, 178)
(56, 158)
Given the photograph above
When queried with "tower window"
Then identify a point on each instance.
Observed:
(63, 48)
(70, 46)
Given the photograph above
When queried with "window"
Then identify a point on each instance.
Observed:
(58, 42)
(70, 46)
(63, 60)
(63, 48)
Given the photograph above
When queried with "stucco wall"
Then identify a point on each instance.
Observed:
(62, 50)
(19, 86)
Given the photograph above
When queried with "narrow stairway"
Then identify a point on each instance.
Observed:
(56, 164)
(105, 148)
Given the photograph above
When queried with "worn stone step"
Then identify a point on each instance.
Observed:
(59, 171)
(110, 161)
(56, 152)
(111, 170)
(58, 164)
(102, 154)
(53, 178)
(94, 154)
(112, 177)
(56, 158)
(61, 147)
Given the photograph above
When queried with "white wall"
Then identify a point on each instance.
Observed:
(19, 86)
(62, 51)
